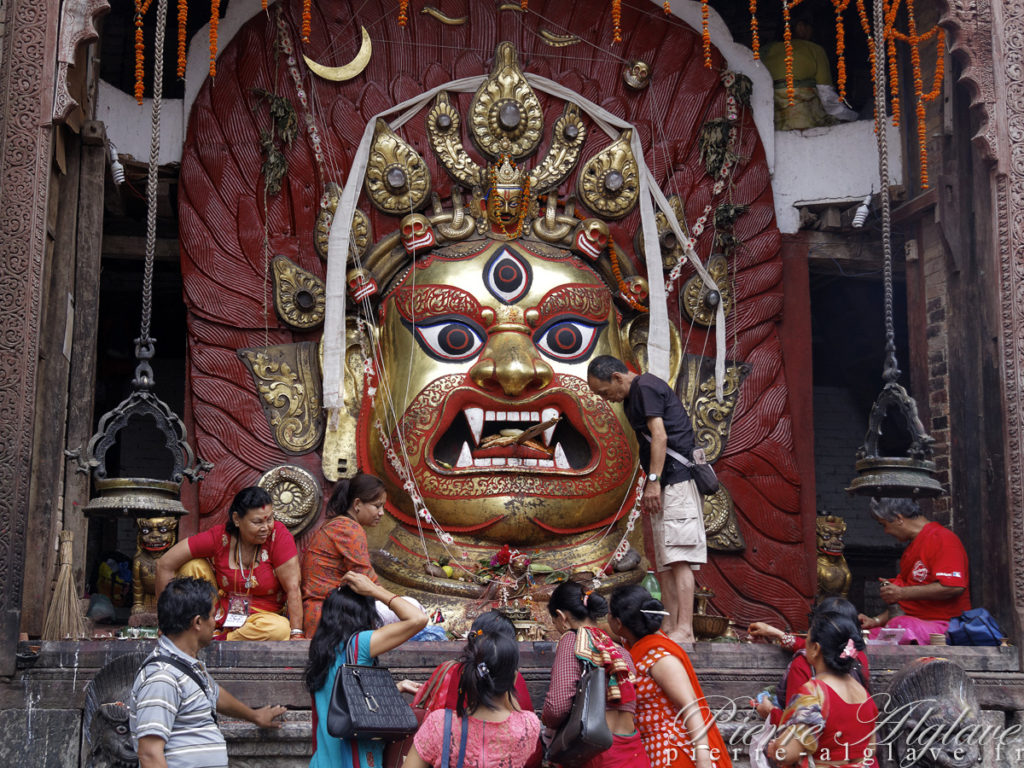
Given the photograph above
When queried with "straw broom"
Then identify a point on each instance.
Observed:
(64, 617)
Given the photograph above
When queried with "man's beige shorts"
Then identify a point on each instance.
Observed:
(679, 528)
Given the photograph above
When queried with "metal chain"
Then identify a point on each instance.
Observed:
(890, 370)
(152, 179)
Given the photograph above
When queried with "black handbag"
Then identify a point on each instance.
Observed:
(366, 704)
(585, 733)
(703, 474)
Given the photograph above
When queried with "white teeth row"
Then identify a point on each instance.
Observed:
(477, 417)
(466, 460)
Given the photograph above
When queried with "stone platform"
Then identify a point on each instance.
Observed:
(41, 706)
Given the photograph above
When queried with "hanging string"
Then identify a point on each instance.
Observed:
(144, 344)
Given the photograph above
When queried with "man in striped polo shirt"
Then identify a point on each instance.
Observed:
(174, 699)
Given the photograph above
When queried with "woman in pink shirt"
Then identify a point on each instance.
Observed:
(487, 727)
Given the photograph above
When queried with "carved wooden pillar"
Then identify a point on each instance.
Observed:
(986, 36)
(26, 100)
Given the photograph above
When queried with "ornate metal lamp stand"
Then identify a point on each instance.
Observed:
(912, 473)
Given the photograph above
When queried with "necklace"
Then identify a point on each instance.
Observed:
(250, 579)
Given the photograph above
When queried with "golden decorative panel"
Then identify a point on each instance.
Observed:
(695, 300)
(567, 139)
(397, 179)
(609, 183)
(296, 496)
(505, 115)
(299, 296)
(445, 136)
(288, 381)
(720, 522)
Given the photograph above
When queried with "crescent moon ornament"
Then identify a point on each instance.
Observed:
(345, 71)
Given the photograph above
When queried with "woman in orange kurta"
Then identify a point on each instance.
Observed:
(672, 716)
(339, 546)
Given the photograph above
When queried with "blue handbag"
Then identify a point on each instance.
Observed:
(974, 627)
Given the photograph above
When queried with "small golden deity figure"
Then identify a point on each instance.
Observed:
(834, 575)
(156, 536)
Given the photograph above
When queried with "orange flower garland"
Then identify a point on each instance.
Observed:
(522, 5)
(616, 21)
(403, 12)
(613, 257)
(306, 26)
(140, 59)
(182, 35)
(214, 21)
(840, 6)
(787, 36)
(667, 6)
(705, 35)
(755, 41)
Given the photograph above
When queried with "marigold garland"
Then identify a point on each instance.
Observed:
(214, 22)
(705, 35)
(755, 40)
(787, 36)
(306, 20)
(613, 257)
(403, 12)
(182, 35)
(616, 21)
(840, 8)
(139, 54)
(667, 7)
(523, 5)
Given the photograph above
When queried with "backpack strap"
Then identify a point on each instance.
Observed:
(183, 666)
(462, 741)
(446, 749)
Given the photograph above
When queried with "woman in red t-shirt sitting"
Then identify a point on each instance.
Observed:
(253, 561)
(932, 586)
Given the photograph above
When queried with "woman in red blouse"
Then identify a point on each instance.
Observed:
(252, 560)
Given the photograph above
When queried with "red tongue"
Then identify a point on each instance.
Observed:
(509, 451)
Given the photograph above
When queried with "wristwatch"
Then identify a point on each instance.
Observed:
(653, 477)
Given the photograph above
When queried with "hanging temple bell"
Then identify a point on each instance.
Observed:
(141, 497)
(894, 425)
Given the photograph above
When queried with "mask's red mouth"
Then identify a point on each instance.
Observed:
(488, 434)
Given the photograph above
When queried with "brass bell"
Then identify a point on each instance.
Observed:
(912, 474)
(140, 496)
(135, 497)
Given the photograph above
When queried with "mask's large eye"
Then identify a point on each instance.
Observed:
(567, 340)
(449, 340)
(507, 276)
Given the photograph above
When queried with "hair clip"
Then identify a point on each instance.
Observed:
(586, 594)
(849, 651)
(655, 613)
(481, 669)
(479, 633)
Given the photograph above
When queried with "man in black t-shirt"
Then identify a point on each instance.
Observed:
(665, 437)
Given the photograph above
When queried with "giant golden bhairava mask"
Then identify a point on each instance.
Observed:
(477, 345)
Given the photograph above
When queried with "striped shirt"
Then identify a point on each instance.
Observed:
(166, 702)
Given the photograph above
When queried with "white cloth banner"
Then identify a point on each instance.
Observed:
(658, 340)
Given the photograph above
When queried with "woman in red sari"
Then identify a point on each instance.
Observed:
(339, 546)
(252, 560)
(832, 718)
(672, 716)
(574, 612)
